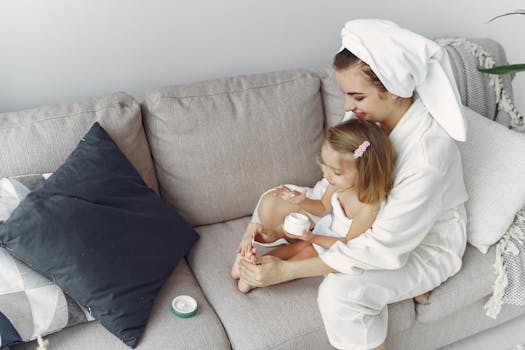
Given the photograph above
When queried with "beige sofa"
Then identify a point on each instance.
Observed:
(215, 147)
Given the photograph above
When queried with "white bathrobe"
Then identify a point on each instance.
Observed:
(415, 243)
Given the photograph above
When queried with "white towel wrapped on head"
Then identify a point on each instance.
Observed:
(406, 62)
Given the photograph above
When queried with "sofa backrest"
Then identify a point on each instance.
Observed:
(37, 141)
(218, 145)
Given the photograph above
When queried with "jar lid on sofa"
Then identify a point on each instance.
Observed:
(184, 306)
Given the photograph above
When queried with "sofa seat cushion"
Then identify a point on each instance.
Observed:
(472, 283)
(284, 316)
(493, 168)
(163, 331)
(463, 323)
(38, 140)
(218, 145)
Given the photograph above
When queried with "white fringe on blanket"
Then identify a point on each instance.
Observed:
(512, 242)
(486, 61)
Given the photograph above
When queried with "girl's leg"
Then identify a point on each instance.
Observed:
(307, 252)
(271, 211)
(289, 251)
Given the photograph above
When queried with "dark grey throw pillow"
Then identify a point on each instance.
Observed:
(98, 232)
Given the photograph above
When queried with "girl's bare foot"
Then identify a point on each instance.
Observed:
(423, 298)
(235, 268)
(243, 286)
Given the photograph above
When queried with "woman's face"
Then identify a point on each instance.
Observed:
(339, 169)
(365, 99)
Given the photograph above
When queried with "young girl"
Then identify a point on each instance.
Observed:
(357, 161)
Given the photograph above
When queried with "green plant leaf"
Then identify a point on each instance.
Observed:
(507, 69)
(516, 12)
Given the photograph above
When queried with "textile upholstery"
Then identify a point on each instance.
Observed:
(163, 331)
(474, 283)
(493, 168)
(38, 140)
(218, 145)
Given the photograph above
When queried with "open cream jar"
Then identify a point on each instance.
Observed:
(296, 223)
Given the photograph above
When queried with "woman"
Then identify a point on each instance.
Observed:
(404, 82)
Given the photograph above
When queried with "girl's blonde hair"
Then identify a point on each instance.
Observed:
(376, 164)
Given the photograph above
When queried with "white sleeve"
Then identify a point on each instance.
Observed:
(412, 208)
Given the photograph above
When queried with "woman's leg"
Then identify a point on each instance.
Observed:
(289, 251)
(354, 306)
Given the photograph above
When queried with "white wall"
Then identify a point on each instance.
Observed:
(62, 50)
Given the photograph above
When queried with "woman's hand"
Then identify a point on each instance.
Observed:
(263, 271)
(268, 270)
(289, 195)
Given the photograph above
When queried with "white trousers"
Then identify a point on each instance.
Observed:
(354, 306)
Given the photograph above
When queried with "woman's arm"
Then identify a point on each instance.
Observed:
(269, 270)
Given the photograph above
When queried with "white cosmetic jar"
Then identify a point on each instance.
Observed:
(296, 223)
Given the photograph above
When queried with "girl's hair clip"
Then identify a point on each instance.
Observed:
(361, 149)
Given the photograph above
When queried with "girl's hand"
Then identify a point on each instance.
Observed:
(307, 236)
(256, 232)
(264, 235)
(246, 248)
(289, 195)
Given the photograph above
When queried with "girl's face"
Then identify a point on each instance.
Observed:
(365, 99)
(339, 169)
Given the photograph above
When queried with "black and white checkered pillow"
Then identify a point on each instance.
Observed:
(30, 304)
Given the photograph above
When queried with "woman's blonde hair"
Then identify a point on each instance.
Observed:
(375, 165)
